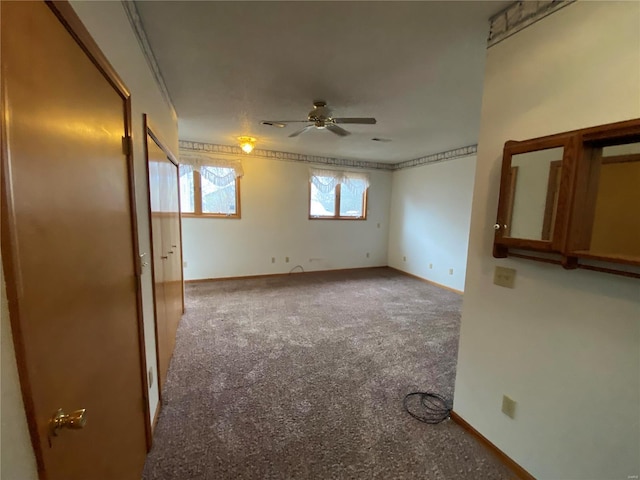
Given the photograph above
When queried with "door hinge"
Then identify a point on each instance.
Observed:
(127, 145)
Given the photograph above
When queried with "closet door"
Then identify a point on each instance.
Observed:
(69, 248)
(156, 193)
(171, 238)
(164, 203)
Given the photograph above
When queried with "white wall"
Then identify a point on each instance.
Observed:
(275, 223)
(18, 460)
(564, 344)
(430, 213)
(110, 28)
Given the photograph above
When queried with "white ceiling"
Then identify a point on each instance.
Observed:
(415, 66)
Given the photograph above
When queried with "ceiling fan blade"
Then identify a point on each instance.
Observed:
(273, 123)
(281, 123)
(302, 130)
(338, 130)
(363, 121)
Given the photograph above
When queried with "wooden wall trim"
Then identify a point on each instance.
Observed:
(520, 472)
(439, 285)
(270, 275)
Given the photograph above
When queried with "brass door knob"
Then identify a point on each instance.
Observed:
(74, 420)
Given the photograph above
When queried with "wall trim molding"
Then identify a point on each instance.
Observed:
(520, 472)
(431, 282)
(269, 275)
(276, 155)
(216, 149)
(518, 16)
(438, 157)
(136, 24)
(273, 275)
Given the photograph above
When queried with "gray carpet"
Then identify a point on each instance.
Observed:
(303, 376)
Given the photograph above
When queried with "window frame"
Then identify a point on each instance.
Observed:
(197, 201)
(336, 213)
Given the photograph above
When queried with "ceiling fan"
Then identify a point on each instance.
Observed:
(320, 118)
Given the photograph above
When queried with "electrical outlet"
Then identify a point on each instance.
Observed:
(504, 277)
(404, 259)
(184, 264)
(451, 271)
(378, 225)
(273, 259)
(151, 377)
(508, 406)
(286, 259)
(367, 254)
(431, 266)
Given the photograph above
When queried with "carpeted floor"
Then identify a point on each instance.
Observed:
(303, 376)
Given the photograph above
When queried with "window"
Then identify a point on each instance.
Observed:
(338, 195)
(209, 191)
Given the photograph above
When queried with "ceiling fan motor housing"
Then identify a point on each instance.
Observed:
(321, 117)
(320, 114)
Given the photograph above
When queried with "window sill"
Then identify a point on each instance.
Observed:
(210, 215)
(336, 218)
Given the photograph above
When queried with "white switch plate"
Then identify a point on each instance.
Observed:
(504, 277)
(508, 406)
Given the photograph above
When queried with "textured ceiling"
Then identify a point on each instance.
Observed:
(415, 66)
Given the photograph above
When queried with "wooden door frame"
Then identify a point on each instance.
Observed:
(74, 26)
(150, 131)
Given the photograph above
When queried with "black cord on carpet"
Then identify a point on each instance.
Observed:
(434, 408)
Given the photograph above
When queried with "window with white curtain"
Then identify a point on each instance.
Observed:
(209, 187)
(338, 195)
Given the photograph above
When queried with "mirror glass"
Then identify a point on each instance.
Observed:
(616, 222)
(534, 185)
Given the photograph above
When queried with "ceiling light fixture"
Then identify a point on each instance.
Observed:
(247, 144)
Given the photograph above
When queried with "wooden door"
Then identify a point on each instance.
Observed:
(69, 245)
(164, 206)
(159, 261)
(171, 237)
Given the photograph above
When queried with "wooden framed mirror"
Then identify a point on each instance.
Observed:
(532, 188)
(607, 203)
(573, 196)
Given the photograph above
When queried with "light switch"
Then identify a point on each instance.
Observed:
(508, 406)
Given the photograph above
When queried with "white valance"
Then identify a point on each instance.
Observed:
(220, 172)
(326, 180)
